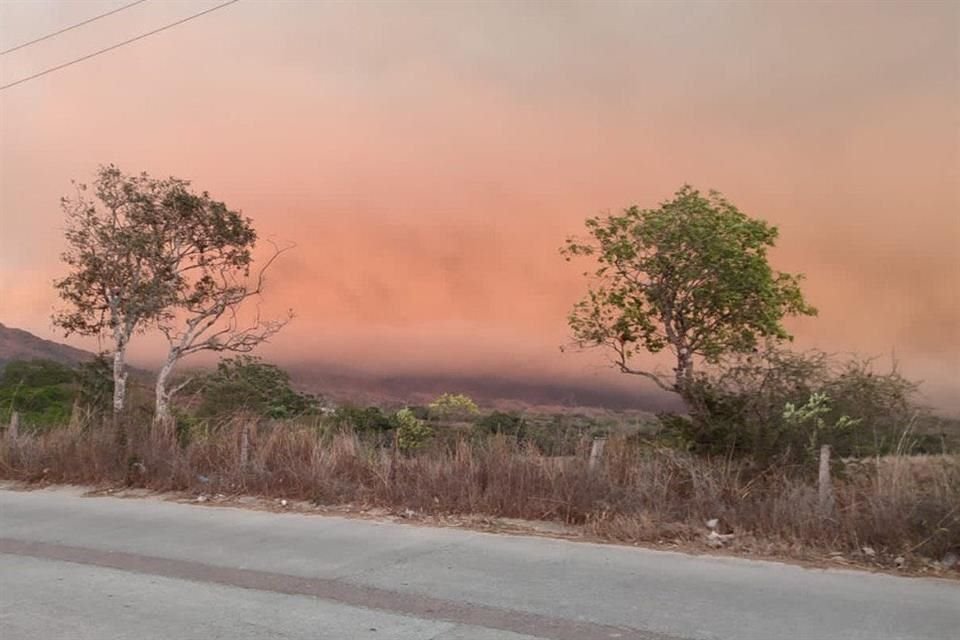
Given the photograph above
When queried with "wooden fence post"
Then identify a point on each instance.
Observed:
(596, 452)
(824, 483)
(394, 459)
(244, 444)
(14, 429)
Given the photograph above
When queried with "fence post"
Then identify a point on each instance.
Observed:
(75, 415)
(244, 444)
(14, 429)
(824, 483)
(596, 451)
(394, 462)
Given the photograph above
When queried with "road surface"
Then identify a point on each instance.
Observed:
(102, 568)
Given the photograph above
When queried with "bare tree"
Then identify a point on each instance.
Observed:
(211, 311)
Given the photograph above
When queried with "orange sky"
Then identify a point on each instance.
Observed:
(429, 158)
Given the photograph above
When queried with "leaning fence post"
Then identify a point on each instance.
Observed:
(14, 429)
(596, 451)
(244, 444)
(394, 459)
(824, 483)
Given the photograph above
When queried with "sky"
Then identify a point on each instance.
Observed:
(428, 159)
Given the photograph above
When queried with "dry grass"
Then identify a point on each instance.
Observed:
(898, 506)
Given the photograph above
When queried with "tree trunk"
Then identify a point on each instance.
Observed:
(119, 398)
(684, 370)
(119, 377)
(244, 445)
(162, 417)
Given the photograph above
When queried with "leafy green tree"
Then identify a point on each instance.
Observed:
(691, 276)
(453, 406)
(118, 281)
(245, 383)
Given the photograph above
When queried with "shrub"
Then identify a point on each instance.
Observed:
(412, 433)
(246, 384)
(500, 423)
(95, 385)
(363, 419)
(453, 406)
(743, 407)
(41, 391)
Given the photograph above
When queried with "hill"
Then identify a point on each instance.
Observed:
(17, 344)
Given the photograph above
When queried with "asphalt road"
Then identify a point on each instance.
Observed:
(110, 568)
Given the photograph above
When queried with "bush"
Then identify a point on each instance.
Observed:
(95, 385)
(500, 423)
(246, 384)
(41, 391)
(412, 433)
(453, 406)
(363, 419)
(751, 406)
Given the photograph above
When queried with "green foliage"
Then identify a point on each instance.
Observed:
(810, 417)
(35, 374)
(247, 384)
(412, 433)
(453, 406)
(363, 419)
(778, 404)
(501, 423)
(41, 391)
(95, 384)
(118, 279)
(692, 276)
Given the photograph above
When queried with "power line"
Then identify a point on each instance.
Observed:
(74, 26)
(116, 46)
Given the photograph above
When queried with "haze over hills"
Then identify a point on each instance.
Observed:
(345, 385)
(342, 385)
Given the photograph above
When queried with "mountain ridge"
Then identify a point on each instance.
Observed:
(18, 344)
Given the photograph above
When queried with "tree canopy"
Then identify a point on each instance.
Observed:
(245, 383)
(691, 276)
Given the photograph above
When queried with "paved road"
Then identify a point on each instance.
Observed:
(109, 568)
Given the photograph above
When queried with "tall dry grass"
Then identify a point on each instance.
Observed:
(897, 506)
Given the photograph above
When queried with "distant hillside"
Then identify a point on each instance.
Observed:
(338, 384)
(17, 344)
(342, 385)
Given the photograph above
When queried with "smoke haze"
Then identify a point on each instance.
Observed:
(428, 160)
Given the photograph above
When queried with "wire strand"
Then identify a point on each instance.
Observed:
(115, 46)
(73, 26)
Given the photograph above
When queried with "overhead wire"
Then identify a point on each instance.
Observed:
(73, 26)
(116, 46)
